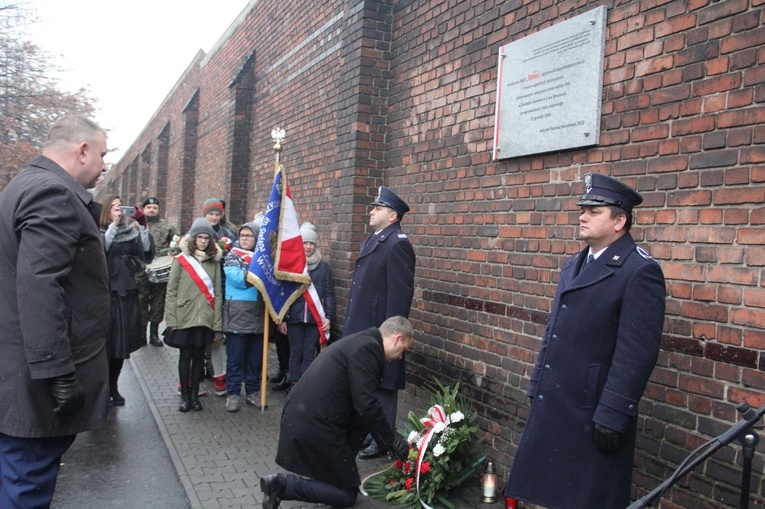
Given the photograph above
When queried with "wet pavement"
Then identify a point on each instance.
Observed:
(203, 460)
(125, 464)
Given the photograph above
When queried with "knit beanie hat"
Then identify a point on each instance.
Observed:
(308, 232)
(212, 205)
(252, 226)
(202, 225)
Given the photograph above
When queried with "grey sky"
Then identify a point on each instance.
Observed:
(128, 54)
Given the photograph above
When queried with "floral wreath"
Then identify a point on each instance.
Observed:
(441, 455)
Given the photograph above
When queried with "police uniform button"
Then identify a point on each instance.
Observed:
(47, 354)
(547, 366)
(540, 397)
(631, 407)
(555, 336)
(563, 306)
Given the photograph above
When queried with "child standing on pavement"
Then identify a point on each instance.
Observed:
(243, 319)
(193, 307)
(299, 324)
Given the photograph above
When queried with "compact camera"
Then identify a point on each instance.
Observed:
(126, 210)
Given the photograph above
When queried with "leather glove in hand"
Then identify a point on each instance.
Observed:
(139, 216)
(399, 449)
(68, 394)
(606, 439)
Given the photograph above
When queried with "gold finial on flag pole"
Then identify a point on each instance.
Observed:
(278, 136)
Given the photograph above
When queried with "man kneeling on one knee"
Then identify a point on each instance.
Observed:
(329, 412)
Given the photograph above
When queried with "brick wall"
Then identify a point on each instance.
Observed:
(402, 93)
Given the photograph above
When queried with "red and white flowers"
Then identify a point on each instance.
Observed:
(442, 449)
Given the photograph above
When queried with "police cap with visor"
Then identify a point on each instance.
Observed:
(387, 198)
(602, 190)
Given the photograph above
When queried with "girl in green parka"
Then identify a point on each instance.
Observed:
(193, 307)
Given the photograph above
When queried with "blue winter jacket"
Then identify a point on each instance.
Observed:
(243, 309)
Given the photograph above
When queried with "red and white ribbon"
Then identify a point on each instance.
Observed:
(436, 416)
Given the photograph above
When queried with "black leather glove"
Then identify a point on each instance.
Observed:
(68, 395)
(606, 439)
(399, 449)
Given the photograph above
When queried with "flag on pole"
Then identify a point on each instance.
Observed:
(278, 267)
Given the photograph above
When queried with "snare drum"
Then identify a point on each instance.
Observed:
(158, 271)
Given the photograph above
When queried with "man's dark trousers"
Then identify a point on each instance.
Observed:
(28, 470)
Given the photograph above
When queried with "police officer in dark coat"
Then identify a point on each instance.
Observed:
(383, 286)
(599, 349)
(54, 311)
(329, 412)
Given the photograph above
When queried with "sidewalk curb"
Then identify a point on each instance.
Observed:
(180, 468)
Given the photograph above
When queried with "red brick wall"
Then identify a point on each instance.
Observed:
(402, 93)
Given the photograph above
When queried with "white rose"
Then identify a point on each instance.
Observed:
(456, 416)
(438, 450)
(413, 437)
(439, 427)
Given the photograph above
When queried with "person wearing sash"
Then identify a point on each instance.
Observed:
(243, 321)
(193, 307)
(125, 243)
(299, 325)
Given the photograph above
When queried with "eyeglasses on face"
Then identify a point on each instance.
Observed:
(246, 236)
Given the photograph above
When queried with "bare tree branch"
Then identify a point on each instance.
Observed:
(30, 98)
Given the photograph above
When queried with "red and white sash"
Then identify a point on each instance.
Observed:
(243, 254)
(199, 276)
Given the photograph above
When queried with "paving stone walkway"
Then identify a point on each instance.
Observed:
(220, 456)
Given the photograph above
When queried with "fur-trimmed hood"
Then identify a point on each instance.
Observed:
(184, 245)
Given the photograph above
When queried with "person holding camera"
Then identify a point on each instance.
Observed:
(125, 244)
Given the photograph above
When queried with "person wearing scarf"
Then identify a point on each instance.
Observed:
(125, 242)
(243, 321)
(299, 324)
(193, 307)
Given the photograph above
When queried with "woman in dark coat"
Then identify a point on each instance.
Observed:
(124, 258)
(300, 325)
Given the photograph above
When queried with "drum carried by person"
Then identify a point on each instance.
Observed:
(158, 271)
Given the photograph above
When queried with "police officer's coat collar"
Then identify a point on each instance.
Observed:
(612, 258)
(376, 239)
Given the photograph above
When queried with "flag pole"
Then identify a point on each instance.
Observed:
(278, 136)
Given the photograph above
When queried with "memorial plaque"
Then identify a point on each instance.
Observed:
(549, 88)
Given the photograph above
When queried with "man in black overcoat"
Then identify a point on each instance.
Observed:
(54, 311)
(597, 354)
(383, 286)
(328, 413)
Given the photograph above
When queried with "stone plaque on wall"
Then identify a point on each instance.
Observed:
(549, 88)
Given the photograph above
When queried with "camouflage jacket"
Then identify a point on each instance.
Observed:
(162, 232)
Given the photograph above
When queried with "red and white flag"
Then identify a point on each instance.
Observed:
(278, 267)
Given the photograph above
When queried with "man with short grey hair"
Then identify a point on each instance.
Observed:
(54, 307)
(328, 413)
